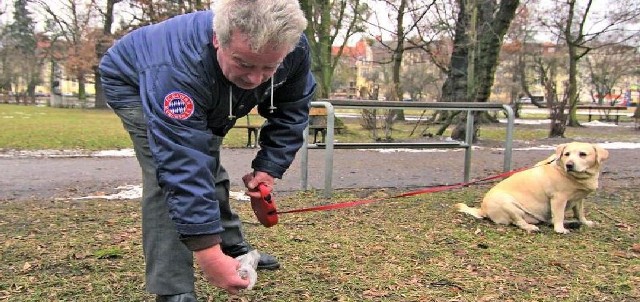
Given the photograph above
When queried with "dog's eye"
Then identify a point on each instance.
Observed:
(567, 153)
(583, 154)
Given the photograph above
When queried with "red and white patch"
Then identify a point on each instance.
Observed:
(178, 105)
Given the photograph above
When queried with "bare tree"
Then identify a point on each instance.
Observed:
(517, 59)
(405, 16)
(581, 26)
(73, 21)
(547, 66)
(103, 41)
(22, 46)
(330, 22)
(145, 12)
(606, 67)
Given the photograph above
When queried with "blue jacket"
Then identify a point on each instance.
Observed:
(171, 70)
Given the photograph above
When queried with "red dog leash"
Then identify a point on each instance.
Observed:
(348, 204)
(265, 207)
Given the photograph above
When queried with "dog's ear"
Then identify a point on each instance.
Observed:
(601, 153)
(560, 150)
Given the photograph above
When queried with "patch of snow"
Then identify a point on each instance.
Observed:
(619, 145)
(114, 153)
(239, 195)
(548, 121)
(135, 191)
(125, 193)
(399, 150)
(519, 121)
(65, 153)
(598, 124)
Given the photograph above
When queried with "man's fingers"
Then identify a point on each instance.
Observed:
(239, 286)
(247, 180)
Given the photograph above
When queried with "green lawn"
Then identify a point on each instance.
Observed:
(33, 128)
(30, 128)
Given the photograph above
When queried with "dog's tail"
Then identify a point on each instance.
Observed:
(475, 212)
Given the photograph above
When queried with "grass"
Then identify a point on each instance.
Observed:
(35, 128)
(399, 249)
(405, 249)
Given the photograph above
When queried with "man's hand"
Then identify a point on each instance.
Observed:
(253, 179)
(221, 270)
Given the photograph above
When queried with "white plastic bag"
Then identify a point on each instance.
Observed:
(248, 265)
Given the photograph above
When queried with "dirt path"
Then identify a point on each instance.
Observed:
(42, 178)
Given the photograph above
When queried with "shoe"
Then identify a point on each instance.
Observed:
(266, 262)
(186, 297)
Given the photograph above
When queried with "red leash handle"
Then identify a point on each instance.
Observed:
(265, 207)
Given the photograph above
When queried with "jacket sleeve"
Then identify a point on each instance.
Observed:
(282, 134)
(180, 142)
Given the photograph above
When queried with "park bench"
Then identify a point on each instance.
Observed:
(602, 110)
(318, 124)
(253, 130)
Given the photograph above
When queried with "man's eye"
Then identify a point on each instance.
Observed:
(242, 64)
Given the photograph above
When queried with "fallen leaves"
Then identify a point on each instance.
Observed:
(375, 293)
(26, 267)
(400, 251)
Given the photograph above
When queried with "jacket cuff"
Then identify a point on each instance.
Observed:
(273, 169)
(200, 242)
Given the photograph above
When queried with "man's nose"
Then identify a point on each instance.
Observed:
(256, 78)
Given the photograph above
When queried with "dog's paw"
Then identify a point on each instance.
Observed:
(588, 223)
(561, 230)
(530, 228)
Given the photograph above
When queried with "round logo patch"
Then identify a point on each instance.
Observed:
(178, 105)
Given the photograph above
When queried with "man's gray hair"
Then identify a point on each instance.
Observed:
(267, 23)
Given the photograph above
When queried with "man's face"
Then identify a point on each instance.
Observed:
(245, 68)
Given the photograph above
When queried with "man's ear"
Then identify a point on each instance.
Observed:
(216, 43)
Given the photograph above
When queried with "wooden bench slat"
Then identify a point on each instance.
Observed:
(318, 111)
(426, 145)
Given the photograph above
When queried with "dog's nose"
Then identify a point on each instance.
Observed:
(569, 166)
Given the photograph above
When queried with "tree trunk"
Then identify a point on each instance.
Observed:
(573, 86)
(490, 37)
(455, 86)
(102, 45)
(493, 23)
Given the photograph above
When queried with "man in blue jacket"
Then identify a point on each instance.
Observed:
(179, 86)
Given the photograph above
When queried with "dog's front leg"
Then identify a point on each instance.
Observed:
(558, 206)
(578, 212)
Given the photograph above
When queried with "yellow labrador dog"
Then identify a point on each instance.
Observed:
(544, 192)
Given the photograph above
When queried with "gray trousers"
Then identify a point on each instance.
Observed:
(168, 263)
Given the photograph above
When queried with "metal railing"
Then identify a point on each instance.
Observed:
(467, 144)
